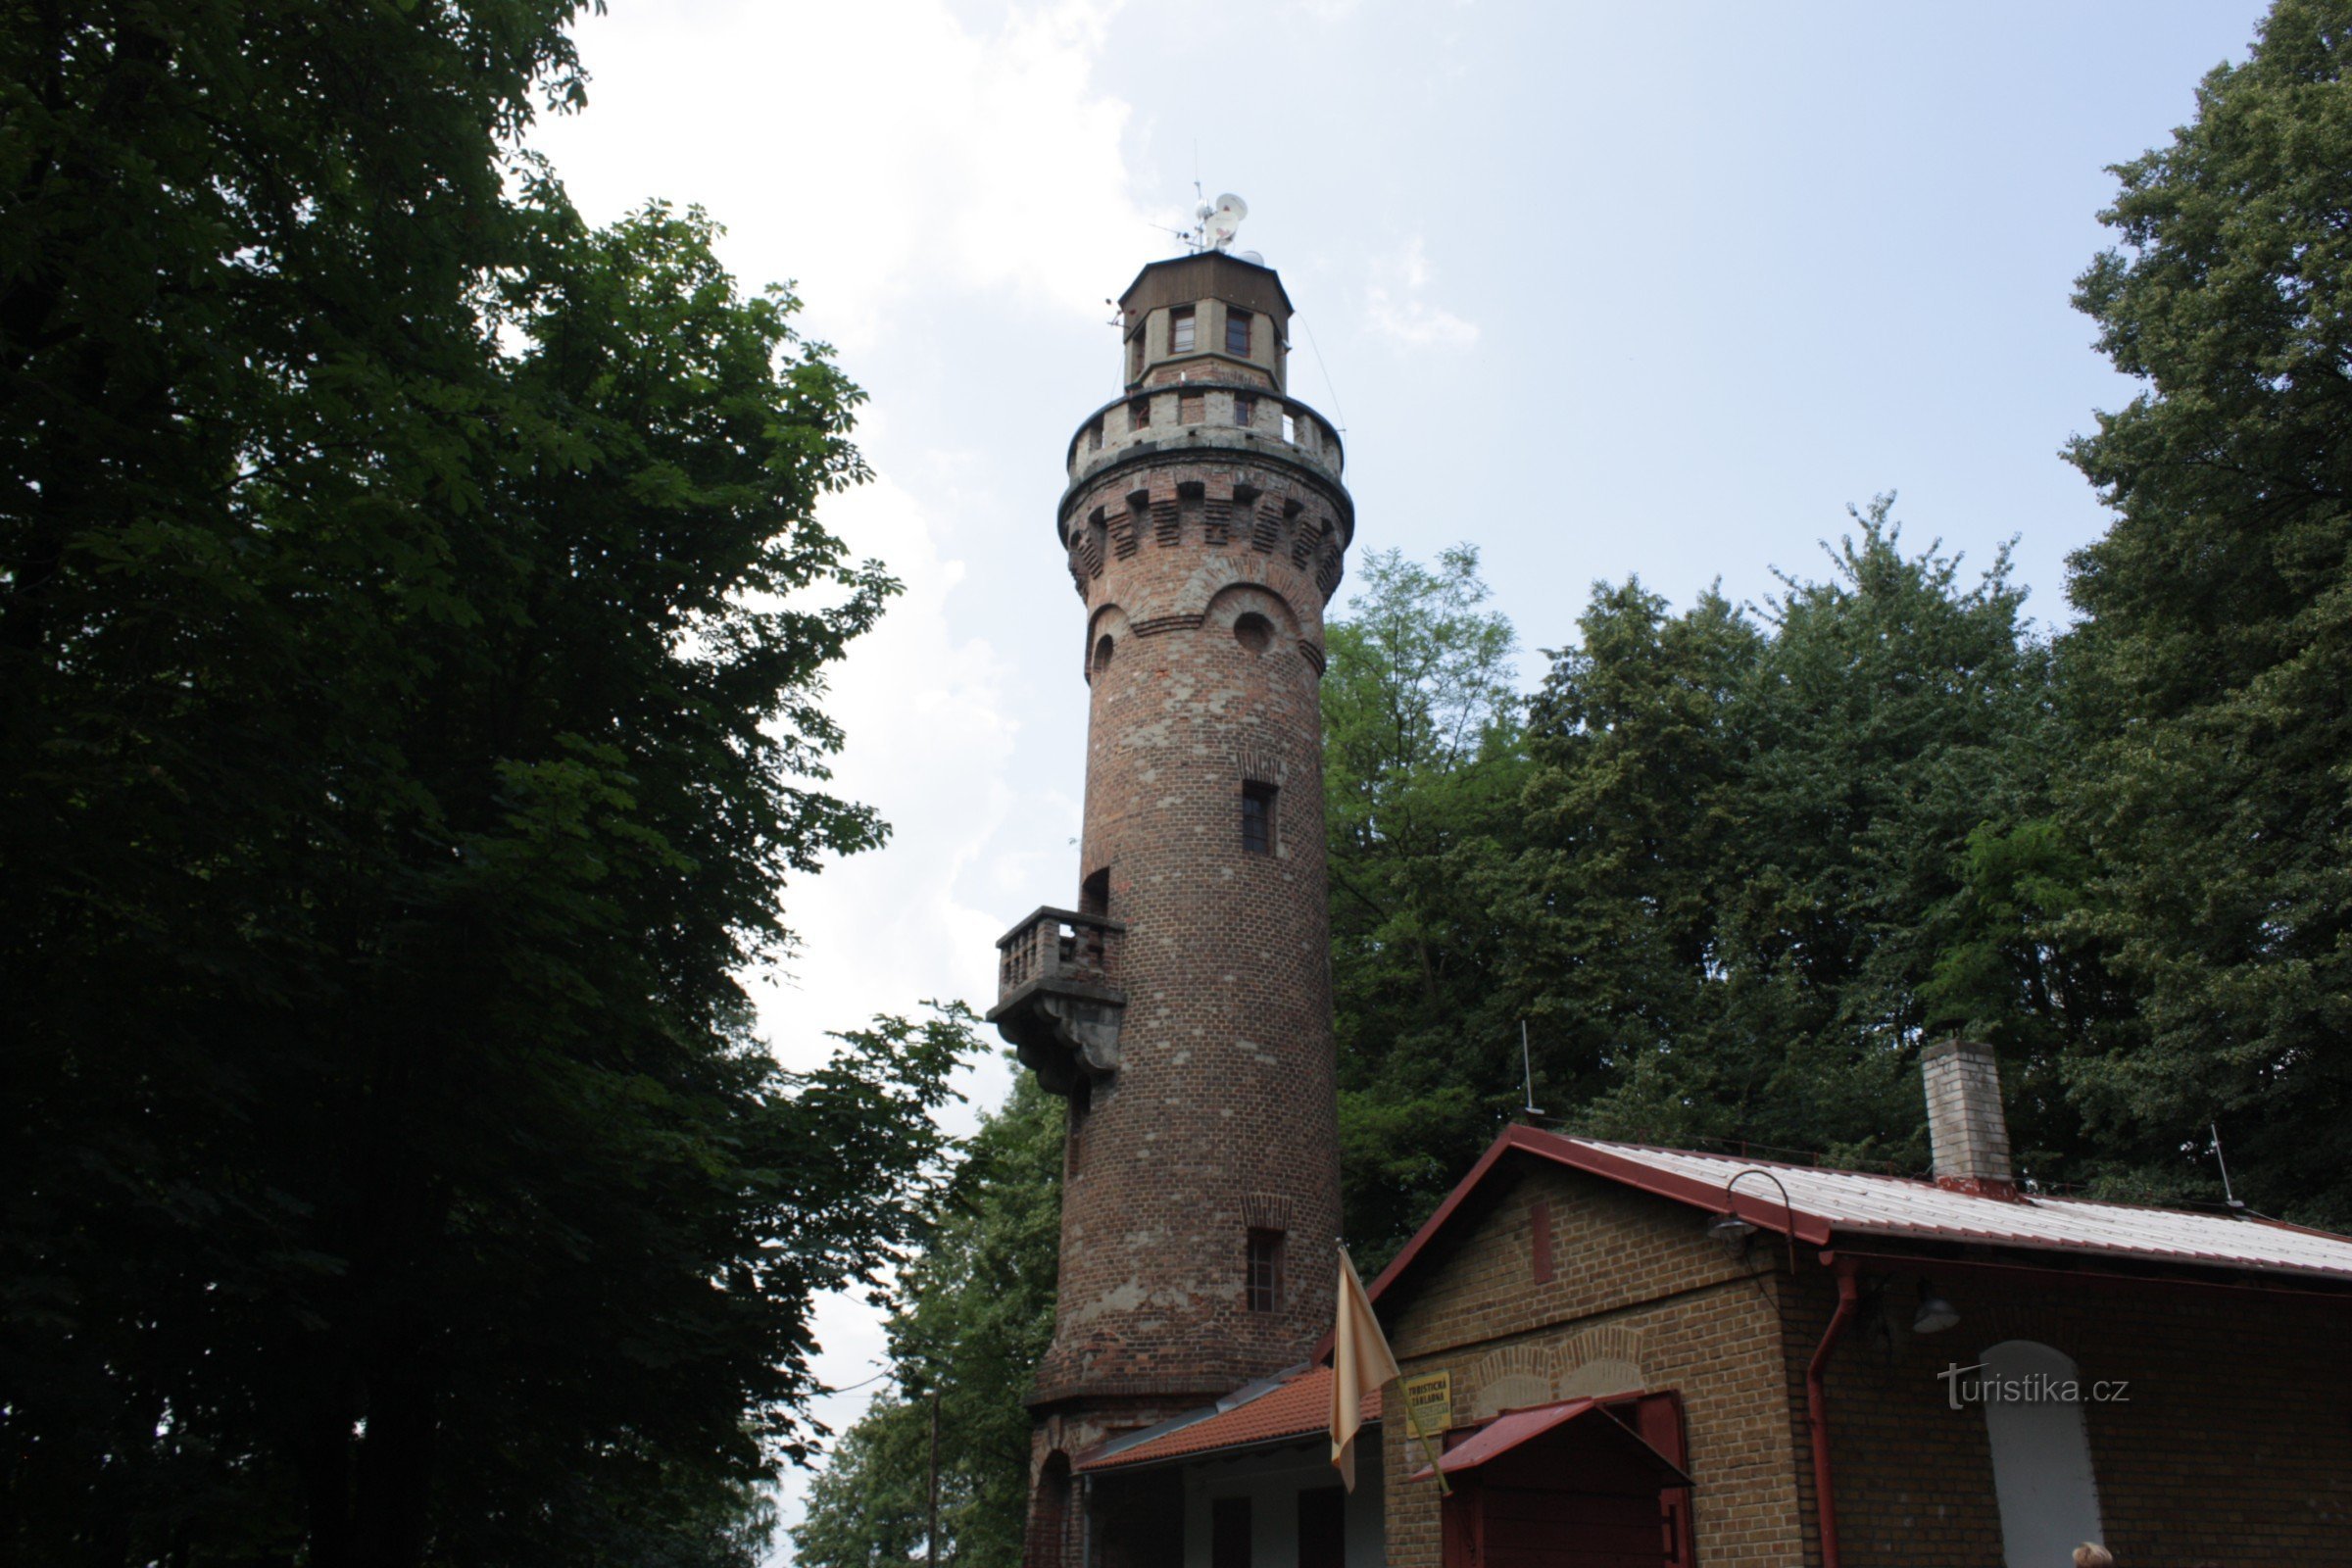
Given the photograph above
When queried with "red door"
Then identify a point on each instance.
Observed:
(1555, 1528)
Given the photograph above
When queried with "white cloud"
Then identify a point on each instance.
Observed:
(882, 146)
(1394, 303)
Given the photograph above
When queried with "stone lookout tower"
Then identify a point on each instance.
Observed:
(1184, 1006)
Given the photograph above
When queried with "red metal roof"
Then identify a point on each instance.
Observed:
(1504, 1433)
(1854, 1204)
(1296, 1408)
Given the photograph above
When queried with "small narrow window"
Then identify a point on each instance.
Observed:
(1135, 357)
(1180, 329)
(1082, 1101)
(1257, 818)
(1265, 1271)
(1539, 1224)
(1094, 435)
(1094, 894)
(1103, 649)
(1237, 332)
(1290, 426)
(1244, 409)
(1138, 413)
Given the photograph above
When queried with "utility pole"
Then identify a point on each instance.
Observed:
(931, 1529)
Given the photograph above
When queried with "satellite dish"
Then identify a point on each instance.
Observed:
(1223, 219)
(1202, 211)
(1252, 257)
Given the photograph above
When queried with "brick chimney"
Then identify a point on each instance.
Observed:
(1965, 1129)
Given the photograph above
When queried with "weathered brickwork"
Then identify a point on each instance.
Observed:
(1204, 551)
(2234, 1445)
(1636, 1291)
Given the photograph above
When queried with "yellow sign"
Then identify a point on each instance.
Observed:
(1429, 1400)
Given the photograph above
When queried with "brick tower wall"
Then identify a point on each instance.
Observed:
(1205, 527)
(1204, 581)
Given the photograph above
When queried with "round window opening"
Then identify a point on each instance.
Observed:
(1253, 631)
(1102, 653)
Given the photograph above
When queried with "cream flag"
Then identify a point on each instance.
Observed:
(1360, 1362)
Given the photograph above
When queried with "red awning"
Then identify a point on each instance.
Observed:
(1505, 1433)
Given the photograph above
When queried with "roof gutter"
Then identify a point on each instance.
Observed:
(1817, 1413)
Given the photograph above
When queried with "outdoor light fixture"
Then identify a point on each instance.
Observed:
(1935, 1314)
(1729, 1229)
(1732, 1231)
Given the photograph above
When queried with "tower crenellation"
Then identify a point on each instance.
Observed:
(1183, 1005)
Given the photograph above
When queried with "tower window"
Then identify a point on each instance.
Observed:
(1244, 409)
(1237, 332)
(1265, 1271)
(1257, 817)
(1180, 329)
(1094, 435)
(1138, 413)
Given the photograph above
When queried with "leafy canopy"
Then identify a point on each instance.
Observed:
(414, 621)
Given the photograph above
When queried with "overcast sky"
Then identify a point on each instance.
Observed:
(1617, 289)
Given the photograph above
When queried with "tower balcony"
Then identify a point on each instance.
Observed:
(1059, 1000)
(1218, 418)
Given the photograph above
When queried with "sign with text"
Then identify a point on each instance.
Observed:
(1429, 1400)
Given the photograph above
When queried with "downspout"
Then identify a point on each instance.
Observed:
(1817, 1413)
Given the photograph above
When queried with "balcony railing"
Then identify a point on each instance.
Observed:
(1059, 945)
(1058, 996)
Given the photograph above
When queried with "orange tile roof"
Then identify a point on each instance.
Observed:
(1299, 1407)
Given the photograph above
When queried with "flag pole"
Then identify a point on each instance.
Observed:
(1412, 1423)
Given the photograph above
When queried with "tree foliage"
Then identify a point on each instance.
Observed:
(1730, 871)
(2217, 642)
(412, 631)
(1422, 770)
(974, 1313)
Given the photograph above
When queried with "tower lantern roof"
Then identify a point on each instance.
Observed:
(1209, 275)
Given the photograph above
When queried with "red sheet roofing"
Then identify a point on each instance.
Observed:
(1298, 1407)
(1504, 1433)
(1854, 1204)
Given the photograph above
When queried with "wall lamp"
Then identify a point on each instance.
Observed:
(1733, 1232)
(1934, 1315)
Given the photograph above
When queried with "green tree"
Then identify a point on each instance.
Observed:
(1748, 838)
(1640, 745)
(974, 1314)
(1422, 770)
(2215, 647)
(412, 631)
